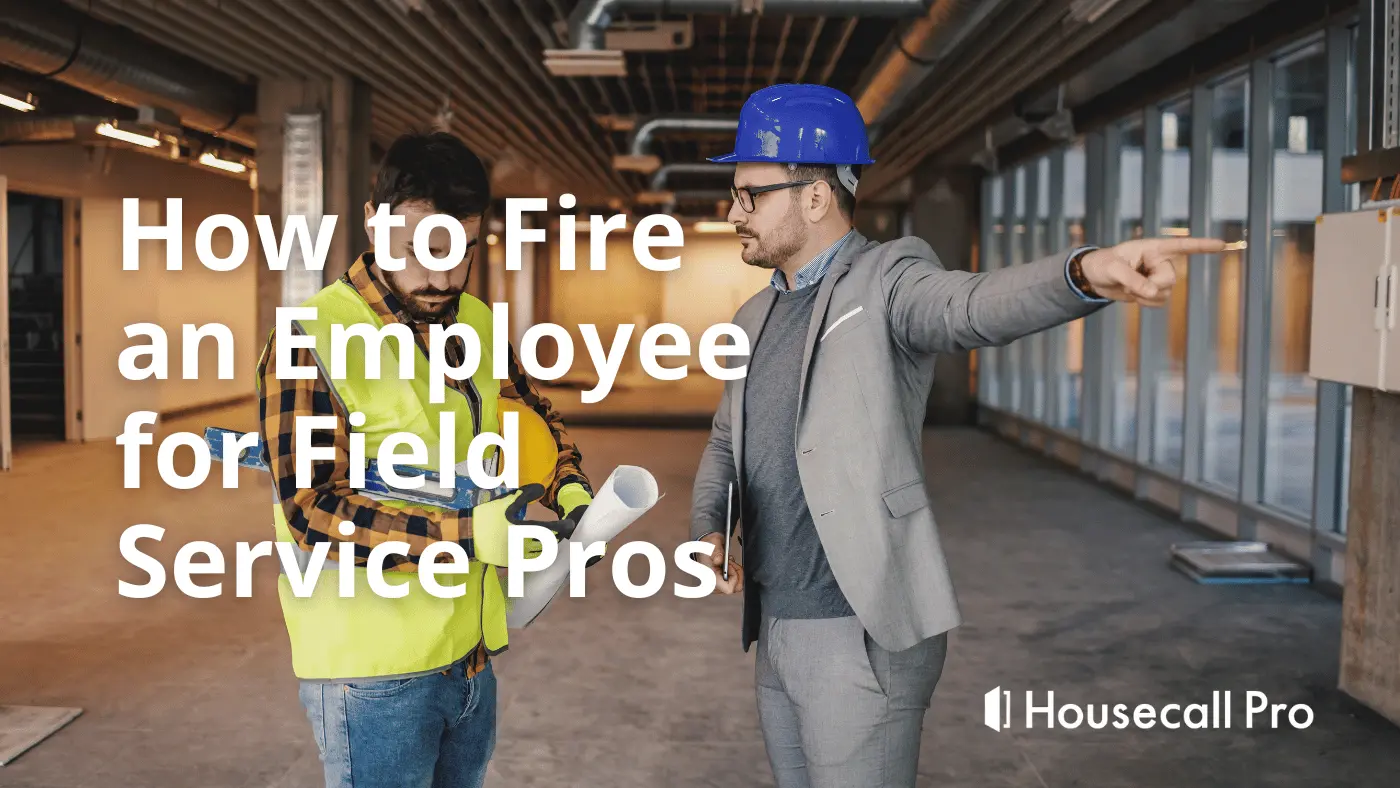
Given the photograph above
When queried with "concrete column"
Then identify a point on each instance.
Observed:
(1371, 601)
(346, 169)
(1371, 597)
(944, 213)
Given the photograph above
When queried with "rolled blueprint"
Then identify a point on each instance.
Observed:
(627, 494)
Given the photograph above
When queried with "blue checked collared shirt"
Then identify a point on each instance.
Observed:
(1070, 282)
(812, 272)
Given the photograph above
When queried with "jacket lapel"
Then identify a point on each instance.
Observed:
(752, 324)
(854, 245)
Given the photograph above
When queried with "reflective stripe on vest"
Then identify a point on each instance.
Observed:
(367, 636)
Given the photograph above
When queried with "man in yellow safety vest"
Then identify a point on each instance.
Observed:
(405, 684)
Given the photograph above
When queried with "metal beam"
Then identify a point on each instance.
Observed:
(1201, 291)
(1152, 321)
(1110, 326)
(1029, 363)
(1057, 238)
(1091, 410)
(1258, 300)
(1010, 386)
(986, 357)
(1332, 426)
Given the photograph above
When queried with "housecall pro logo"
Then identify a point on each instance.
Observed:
(1218, 713)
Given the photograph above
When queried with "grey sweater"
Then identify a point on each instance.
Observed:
(783, 556)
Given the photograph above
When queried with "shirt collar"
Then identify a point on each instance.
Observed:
(365, 279)
(813, 271)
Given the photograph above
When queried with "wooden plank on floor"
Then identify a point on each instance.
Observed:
(22, 727)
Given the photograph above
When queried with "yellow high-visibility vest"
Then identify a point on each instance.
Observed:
(368, 636)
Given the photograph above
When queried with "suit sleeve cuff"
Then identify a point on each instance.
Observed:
(1068, 281)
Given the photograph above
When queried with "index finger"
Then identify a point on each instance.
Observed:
(1191, 245)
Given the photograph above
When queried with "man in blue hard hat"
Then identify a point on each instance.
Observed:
(846, 588)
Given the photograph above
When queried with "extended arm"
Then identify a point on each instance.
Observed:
(932, 309)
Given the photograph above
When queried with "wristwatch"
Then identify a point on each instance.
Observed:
(1076, 274)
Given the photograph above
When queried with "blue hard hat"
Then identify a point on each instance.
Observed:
(800, 124)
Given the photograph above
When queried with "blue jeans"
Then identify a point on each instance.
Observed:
(433, 731)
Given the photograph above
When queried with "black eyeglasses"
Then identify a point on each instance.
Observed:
(744, 194)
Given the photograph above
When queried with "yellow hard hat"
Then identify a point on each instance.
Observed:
(538, 451)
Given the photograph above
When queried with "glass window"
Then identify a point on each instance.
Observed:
(1229, 205)
(1124, 377)
(1290, 419)
(987, 361)
(1069, 377)
(1167, 377)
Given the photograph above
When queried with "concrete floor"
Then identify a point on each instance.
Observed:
(1064, 587)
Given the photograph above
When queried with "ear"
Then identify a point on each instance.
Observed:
(369, 214)
(821, 202)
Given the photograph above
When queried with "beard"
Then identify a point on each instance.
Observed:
(776, 246)
(417, 303)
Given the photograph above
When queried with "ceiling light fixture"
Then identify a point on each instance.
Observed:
(108, 130)
(1090, 11)
(210, 159)
(585, 63)
(18, 100)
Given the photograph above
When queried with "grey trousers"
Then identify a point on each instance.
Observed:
(839, 711)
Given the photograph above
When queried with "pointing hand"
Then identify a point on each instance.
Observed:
(1141, 271)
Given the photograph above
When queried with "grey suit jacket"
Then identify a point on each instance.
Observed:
(883, 312)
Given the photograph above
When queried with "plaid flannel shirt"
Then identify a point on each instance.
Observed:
(314, 513)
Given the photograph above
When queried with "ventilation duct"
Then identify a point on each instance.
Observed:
(590, 20)
(640, 158)
(55, 40)
(919, 50)
(659, 178)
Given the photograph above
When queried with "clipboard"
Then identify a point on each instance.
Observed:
(728, 528)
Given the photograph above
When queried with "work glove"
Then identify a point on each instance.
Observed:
(491, 523)
(571, 521)
(570, 524)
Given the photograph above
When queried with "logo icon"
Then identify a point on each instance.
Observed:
(991, 709)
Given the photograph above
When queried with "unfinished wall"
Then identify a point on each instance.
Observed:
(708, 288)
(112, 298)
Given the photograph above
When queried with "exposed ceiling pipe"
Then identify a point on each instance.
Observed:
(641, 137)
(40, 130)
(659, 178)
(58, 41)
(712, 196)
(640, 158)
(918, 50)
(1001, 66)
(591, 18)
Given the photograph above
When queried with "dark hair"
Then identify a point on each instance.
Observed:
(437, 168)
(845, 201)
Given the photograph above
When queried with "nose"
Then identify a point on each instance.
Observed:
(442, 280)
(736, 213)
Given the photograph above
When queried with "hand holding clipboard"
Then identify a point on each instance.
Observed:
(728, 573)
